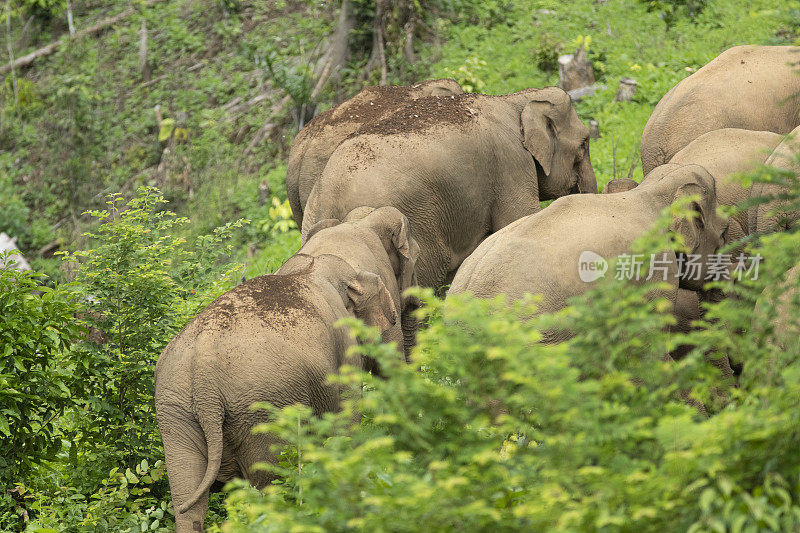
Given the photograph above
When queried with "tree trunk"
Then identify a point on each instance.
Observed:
(144, 68)
(409, 47)
(378, 31)
(338, 50)
(11, 59)
(70, 23)
(10, 244)
(575, 70)
(626, 90)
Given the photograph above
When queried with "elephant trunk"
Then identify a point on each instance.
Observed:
(587, 183)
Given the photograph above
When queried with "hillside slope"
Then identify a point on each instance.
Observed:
(206, 118)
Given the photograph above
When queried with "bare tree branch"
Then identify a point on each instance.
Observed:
(26, 60)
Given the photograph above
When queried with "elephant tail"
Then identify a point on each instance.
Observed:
(210, 418)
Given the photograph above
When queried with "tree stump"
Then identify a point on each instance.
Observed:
(594, 129)
(264, 193)
(626, 90)
(575, 70)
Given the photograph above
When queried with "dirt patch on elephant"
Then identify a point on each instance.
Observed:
(362, 155)
(278, 300)
(412, 116)
(394, 109)
(374, 104)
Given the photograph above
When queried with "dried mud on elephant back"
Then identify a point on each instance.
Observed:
(276, 299)
(407, 115)
(422, 114)
(376, 102)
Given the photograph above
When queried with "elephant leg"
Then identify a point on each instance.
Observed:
(185, 452)
(433, 265)
(255, 449)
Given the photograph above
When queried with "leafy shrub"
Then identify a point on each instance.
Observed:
(487, 428)
(141, 283)
(35, 331)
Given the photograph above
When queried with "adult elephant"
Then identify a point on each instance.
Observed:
(541, 253)
(459, 168)
(314, 144)
(779, 213)
(274, 339)
(746, 87)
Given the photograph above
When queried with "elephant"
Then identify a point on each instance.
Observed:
(746, 87)
(786, 323)
(775, 215)
(314, 144)
(725, 152)
(537, 254)
(459, 168)
(274, 339)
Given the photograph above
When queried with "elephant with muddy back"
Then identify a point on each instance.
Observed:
(460, 168)
(314, 144)
(272, 339)
(540, 254)
(746, 87)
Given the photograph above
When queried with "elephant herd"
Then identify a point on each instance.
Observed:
(426, 185)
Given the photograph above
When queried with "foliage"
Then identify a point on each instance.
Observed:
(504, 432)
(35, 331)
(487, 428)
(123, 502)
(670, 11)
(81, 398)
(141, 283)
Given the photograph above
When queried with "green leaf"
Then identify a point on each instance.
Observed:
(4, 427)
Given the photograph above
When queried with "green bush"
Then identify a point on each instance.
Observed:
(35, 333)
(75, 407)
(140, 283)
(488, 429)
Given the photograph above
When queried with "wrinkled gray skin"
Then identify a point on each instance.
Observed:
(272, 339)
(766, 217)
(470, 165)
(536, 255)
(786, 323)
(746, 87)
(314, 144)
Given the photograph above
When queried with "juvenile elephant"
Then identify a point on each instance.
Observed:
(314, 144)
(746, 87)
(272, 339)
(538, 255)
(774, 215)
(460, 168)
(726, 152)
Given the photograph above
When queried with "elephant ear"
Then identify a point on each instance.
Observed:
(541, 118)
(408, 252)
(369, 299)
(395, 231)
(321, 225)
(691, 228)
